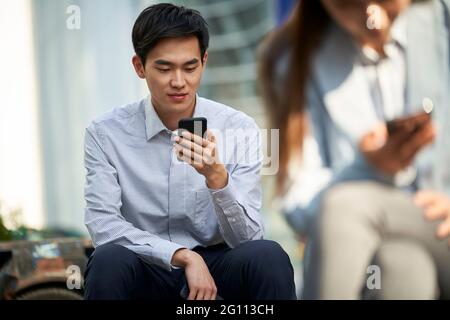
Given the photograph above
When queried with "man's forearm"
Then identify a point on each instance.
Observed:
(217, 179)
(182, 257)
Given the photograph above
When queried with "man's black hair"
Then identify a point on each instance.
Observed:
(165, 20)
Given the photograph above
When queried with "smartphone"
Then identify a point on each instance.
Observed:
(409, 124)
(195, 126)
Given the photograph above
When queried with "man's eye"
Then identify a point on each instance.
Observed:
(163, 70)
(191, 69)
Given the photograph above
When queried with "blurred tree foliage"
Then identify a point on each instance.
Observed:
(18, 232)
(5, 234)
(22, 232)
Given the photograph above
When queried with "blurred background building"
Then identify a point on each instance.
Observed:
(66, 62)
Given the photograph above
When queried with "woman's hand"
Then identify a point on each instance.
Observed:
(391, 154)
(437, 207)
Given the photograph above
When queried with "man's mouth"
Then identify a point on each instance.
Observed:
(177, 97)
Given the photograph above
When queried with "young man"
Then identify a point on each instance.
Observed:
(160, 225)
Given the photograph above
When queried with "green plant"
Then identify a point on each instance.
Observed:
(5, 233)
(19, 231)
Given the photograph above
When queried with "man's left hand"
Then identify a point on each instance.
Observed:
(437, 207)
(202, 155)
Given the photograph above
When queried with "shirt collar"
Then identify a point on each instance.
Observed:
(154, 125)
(198, 110)
(398, 31)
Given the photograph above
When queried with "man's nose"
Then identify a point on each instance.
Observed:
(178, 80)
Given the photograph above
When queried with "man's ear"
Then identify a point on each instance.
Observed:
(205, 58)
(138, 67)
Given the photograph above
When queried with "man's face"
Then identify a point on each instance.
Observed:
(173, 70)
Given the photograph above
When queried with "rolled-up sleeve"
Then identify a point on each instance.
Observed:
(103, 217)
(238, 204)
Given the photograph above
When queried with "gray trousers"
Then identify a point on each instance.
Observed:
(371, 241)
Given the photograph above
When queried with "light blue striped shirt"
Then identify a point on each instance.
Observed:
(140, 196)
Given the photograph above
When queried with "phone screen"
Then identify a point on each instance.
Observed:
(195, 126)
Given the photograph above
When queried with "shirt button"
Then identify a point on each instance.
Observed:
(427, 105)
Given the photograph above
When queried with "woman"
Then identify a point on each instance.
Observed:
(332, 76)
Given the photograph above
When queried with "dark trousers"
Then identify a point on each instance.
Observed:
(258, 270)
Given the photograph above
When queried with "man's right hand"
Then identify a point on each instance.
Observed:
(201, 283)
(392, 154)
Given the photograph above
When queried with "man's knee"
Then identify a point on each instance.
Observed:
(110, 273)
(110, 257)
(269, 270)
(267, 255)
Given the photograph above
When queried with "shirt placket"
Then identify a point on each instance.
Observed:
(176, 199)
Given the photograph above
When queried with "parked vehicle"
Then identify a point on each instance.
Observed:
(50, 269)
